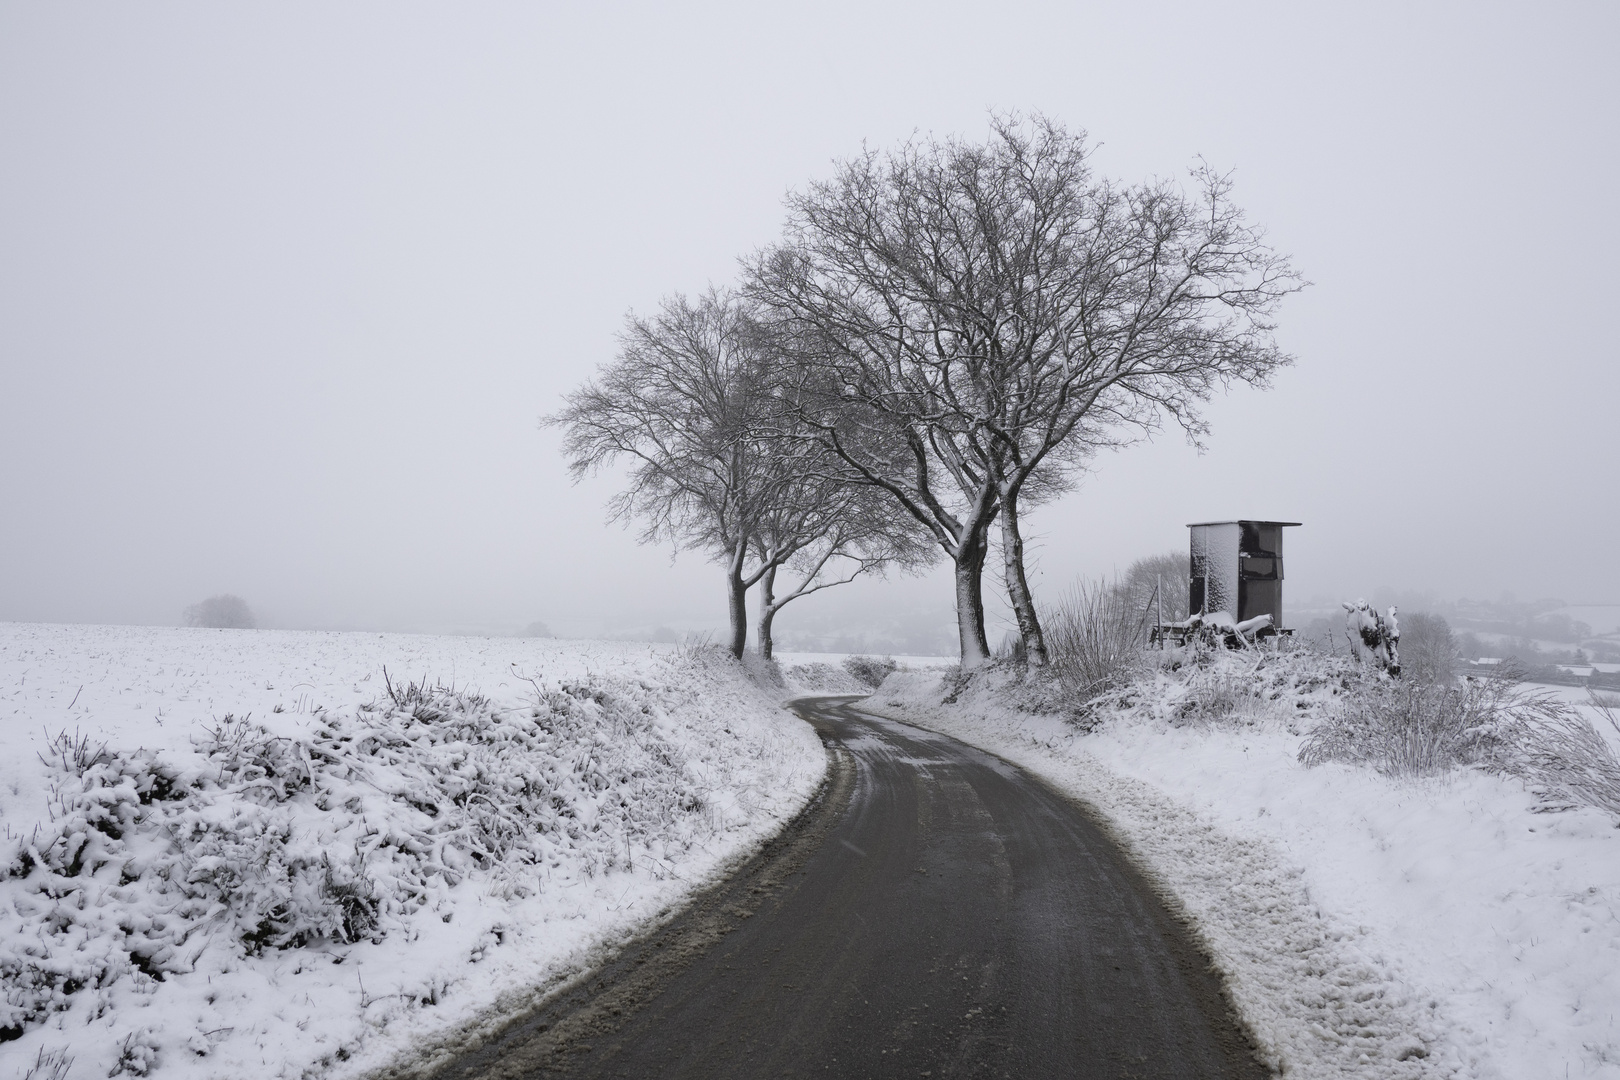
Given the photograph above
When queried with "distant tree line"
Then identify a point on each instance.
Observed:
(944, 336)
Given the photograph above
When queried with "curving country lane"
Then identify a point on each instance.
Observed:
(936, 912)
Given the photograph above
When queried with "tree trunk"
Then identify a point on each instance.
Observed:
(1023, 602)
(737, 594)
(970, 556)
(767, 610)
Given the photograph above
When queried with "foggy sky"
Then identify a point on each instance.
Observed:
(284, 288)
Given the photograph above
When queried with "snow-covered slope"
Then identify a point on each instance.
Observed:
(1367, 927)
(232, 853)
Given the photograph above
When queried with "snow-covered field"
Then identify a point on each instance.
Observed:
(1367, 927)
(241, 853)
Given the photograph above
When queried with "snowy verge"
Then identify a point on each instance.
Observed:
(1365, 926)
(808, 680)
(245, 853)
(812, 674)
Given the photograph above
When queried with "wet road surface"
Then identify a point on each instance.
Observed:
(936, 912)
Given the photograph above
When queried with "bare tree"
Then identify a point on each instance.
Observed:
(1428, 649)
(888, 423)
(225, 611)
(1157, 585)
(981, 317)
(694, 401)
(681, 400)
(826, 531)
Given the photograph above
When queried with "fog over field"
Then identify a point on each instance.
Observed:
(285, 290)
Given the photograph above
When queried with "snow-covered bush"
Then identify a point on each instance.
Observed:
(1197, 685)
(1094, 638)
(1420, 724)
(871, 670)
(762, 671)
(356, 829)
(1565, 758)
(1217, 695)
(1408, 727)
(1417, 727)
(1200, 687)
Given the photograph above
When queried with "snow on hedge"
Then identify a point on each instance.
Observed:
(233, 853)
(1366, 926)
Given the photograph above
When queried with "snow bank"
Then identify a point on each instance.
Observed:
(1366, 927)
(236, 853)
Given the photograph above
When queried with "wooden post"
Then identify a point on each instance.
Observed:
(1158, 599)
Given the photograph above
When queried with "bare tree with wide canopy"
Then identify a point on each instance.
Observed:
(974, 319)
(693, 401)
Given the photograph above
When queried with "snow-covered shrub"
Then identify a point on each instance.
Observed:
(1287, 684)
(1411, 727)
(1567, 760)
(1094, 638)
(1216, 695)
(871, 670)
(1405, 727)
(1193, 686)
(352, 830)
(1373, 636)
(761, 671)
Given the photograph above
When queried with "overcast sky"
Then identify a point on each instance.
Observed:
(284, 287)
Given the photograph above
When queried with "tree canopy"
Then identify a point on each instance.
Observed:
(694, 401)
(946, 332)
(980, 317)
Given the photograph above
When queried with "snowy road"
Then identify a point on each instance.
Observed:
(936, 912)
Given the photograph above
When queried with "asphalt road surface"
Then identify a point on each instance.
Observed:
(936, 912)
